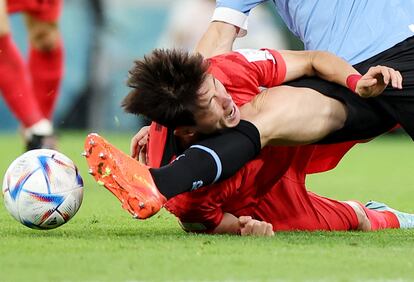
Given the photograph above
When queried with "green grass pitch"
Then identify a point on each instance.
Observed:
(103, 243)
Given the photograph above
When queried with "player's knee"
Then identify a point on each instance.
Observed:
(335, 116)
(45, 40)
(329, 116)
(4, 31)
(44, 36)
(4, 26)
(363, 221)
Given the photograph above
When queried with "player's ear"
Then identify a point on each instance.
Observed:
(185, 131)
(186, 134)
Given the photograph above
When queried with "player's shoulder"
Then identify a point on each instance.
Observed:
(244, 59)
(247, 54)
(232, 56)
(229, 68)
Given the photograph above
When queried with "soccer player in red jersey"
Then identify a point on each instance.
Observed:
(30, 89)
(284, 115)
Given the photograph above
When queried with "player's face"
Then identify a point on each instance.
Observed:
(216, 107)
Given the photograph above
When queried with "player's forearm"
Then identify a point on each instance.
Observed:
(331, 68)
(218, 39)
(228, 225)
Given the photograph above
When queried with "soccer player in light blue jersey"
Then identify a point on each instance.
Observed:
(353, 29)
(363, 32)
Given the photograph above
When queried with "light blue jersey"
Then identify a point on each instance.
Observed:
(353, 29)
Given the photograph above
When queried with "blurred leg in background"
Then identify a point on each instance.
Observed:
(30, 89)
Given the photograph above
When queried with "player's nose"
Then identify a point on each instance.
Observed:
(226, 101)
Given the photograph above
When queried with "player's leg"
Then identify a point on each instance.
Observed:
(15, 82)
(376, 216)
(398, 103)
(364, 224)
(205, 163)
(405, 220)
(4, 21)
(45, 58)
(365, 119)
(220, 156)
(352, 215)
(209, 161)
(45, 62)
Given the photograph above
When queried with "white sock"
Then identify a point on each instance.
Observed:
(43, 127)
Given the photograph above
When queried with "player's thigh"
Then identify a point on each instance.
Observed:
(4, 21)
(286, 115)
(43, 35)
(365, 118)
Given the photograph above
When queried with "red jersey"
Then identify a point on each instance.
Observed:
(271, 187)
(243, 72)
(46, 10)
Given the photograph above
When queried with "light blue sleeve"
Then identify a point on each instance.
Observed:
(243, 6)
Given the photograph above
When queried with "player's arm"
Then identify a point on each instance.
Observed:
(229, 21)
(332, 68)
(244, 225)
(218, 39)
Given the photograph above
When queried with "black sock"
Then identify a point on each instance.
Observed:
(209, 161)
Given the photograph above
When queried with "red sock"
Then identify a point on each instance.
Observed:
(15, 84)
(46, 68)
(382, 219)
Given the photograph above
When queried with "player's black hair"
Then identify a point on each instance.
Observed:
(165, 85)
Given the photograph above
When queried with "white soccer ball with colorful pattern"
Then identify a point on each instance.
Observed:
(42, 189)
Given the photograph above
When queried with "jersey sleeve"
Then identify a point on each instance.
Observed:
(196, 211)
(235, 12)
(201, 211)
(156, 144)
(266, 65)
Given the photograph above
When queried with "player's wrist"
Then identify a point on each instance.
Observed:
(352, 81)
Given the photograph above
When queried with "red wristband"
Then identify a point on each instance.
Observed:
(352, 81)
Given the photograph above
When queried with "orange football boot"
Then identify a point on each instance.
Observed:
(126, 178)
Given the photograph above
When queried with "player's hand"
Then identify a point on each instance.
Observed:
(138, 146)
(243, 6)
(250, 226)
(374, 82)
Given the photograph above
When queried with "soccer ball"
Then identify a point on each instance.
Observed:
(42, 189)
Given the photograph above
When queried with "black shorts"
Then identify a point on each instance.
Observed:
(365, 119)
(368, 118)
(398, 103)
